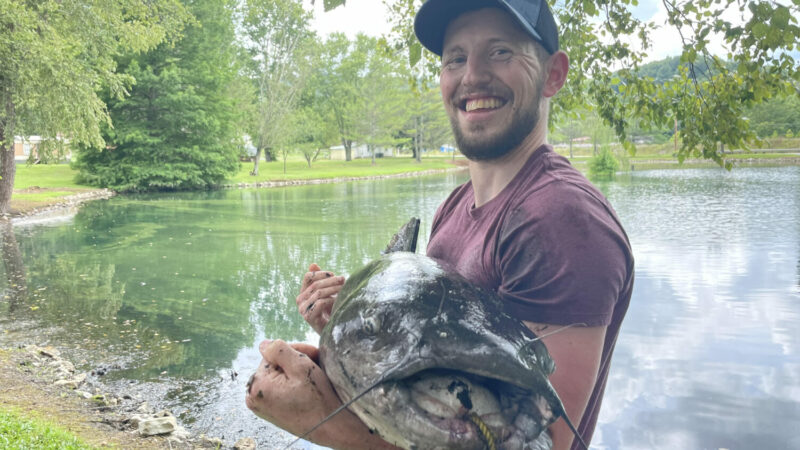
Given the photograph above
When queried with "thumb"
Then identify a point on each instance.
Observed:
(310, 351)
(284, 357)
(314, 267)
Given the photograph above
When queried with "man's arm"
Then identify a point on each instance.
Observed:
(576, 352)
(290, 390)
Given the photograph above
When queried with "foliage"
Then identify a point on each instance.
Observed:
(603, 164)
(177, 129)
(775, 116)
(277, 39)
(57, 54)
(383, 96)
(337, 80)
(709, 95)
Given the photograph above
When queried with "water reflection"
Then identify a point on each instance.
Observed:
(175, 291)
(708, 357)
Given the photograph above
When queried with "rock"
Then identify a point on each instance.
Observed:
(84, 394)
(63, 366)
(212, 442)
(144, 408)
(72, 383)
(49, 352)
(246, 443)
(162, 422)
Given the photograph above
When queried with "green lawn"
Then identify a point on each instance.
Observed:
(297, 169)
(24, 432)
(46, 176)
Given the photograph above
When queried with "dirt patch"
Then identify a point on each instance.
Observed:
(30, 380)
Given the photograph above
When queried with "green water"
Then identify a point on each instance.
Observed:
(167, 290)
(166, 297)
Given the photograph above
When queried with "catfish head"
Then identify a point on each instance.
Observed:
(429, 360)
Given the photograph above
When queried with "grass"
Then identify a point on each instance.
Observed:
(46, 176)
(18, 431)
(297, 169)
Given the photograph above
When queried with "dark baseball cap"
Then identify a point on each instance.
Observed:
(534, 17)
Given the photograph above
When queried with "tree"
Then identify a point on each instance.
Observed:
(383, 96)
(275, 33)
(55, 55)
(177, 129)
(711, 93)
(338, 79)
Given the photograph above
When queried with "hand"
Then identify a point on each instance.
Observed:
(317, 295)
(290, 390)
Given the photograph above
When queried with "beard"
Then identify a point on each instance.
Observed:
(487, 148)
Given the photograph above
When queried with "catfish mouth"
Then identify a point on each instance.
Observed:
(472, 410)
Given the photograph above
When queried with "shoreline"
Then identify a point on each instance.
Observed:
(65, 207)
(40, 384)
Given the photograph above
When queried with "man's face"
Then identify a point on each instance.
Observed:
(491, 83)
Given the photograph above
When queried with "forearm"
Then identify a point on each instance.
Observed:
(347, 432)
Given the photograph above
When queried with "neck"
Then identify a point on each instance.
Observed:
(489, 178)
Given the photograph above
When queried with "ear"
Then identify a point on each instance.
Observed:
(557, 68)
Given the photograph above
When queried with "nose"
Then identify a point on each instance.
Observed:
(477, 72)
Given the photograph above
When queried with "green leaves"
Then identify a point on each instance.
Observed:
(177, 128)
(607, 46)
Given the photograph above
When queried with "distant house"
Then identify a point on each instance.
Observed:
(24, 147)
(359, 151)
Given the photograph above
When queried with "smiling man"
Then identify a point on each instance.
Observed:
(526, 224)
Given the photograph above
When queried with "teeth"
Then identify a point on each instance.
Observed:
(483, 103)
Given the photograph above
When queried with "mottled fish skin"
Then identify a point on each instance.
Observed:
(405, 317)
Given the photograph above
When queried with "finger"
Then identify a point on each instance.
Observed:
(325, 293)
(284, 358)
(308, 349)
(325, 283)
(314, 308)
(263, 346)
(327, 280)
(313, 276)
(319, 314)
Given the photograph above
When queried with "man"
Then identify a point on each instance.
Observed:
(526, 224)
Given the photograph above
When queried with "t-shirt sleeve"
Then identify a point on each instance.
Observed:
(563, 258)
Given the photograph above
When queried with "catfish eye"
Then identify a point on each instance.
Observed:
(371, 324)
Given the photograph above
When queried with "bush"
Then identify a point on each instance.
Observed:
(603, 164)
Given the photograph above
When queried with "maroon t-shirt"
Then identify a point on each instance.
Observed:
(551, 245)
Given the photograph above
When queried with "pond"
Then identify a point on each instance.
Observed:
(169, 295)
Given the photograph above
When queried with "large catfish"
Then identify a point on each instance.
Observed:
(430, 361)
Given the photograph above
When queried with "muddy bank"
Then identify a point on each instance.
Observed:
(38, 380)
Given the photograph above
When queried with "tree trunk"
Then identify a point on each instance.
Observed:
(348, 145)
(254, 172)
(269, 155)
(372, 152)
(8, 166)
(419, 140)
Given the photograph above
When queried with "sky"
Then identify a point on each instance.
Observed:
(370, 17)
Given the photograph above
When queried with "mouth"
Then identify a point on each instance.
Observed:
(472, 409)
(481, 104)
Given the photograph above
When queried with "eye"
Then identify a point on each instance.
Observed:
(371, 324)
(501, 53)
(455, 61)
